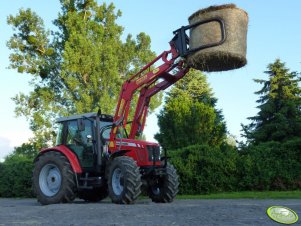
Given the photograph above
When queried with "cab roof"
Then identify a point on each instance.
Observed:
(92, 115)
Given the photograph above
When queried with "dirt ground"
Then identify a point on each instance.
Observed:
(144, 212)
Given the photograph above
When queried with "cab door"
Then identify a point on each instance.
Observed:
(79, 139)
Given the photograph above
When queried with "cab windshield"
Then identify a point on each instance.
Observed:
(106, 128)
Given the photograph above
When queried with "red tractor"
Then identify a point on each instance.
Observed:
(96, 157)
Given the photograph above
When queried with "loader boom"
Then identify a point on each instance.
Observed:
(146, 80)
(170, 71)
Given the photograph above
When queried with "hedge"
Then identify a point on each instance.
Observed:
(204, 169)
(15, 177)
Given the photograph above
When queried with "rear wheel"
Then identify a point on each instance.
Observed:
(165, 189)
(53, 179)
(124, 180)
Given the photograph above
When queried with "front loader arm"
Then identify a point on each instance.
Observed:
(147, 92)
(145, 81)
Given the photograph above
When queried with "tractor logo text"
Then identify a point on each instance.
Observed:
(141, 79)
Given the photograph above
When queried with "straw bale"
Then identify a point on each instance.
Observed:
(232, 53)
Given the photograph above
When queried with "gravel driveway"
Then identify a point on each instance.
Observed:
(144, 212)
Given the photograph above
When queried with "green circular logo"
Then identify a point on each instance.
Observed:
(282, 214)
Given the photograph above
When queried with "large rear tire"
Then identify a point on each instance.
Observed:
(53, 179)
(124, 180)
(165, 189)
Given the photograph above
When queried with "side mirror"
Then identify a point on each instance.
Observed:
(80, 124)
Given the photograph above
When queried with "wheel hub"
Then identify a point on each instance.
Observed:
(50, 180)
(117, 181)
(156, 190)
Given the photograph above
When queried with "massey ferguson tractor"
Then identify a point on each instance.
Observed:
(95, 156)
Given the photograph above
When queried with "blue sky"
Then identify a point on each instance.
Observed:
(274, 32)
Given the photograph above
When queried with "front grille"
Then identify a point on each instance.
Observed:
(153, 153)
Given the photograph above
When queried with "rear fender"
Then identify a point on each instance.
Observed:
(72, 158)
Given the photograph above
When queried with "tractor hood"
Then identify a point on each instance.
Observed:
(135, 143)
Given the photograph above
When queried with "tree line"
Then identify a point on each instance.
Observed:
(80, 66)
(268, 159)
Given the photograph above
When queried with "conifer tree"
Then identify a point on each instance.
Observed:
(189, 115)
(279, 116)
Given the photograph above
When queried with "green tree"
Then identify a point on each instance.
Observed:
(270, 159)
(77, 67)
(279, 116)
(189, 115)
(26, 150)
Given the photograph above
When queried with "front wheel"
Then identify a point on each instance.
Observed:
(165, 189)
(124, 180)
(53, 179)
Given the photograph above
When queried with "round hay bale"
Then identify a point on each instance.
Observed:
(229, 55)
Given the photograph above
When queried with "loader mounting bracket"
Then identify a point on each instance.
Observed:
(181, 39)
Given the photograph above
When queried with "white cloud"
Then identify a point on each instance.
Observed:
(5, 147)
(10, 140)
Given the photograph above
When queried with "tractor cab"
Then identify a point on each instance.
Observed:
(87, 136)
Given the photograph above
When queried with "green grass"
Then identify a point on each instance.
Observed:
(247, 195)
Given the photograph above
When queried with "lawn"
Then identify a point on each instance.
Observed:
(247, 195)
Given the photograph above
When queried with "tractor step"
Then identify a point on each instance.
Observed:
(90, 182)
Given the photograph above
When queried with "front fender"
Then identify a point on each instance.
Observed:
(72, 158)
(118, 153)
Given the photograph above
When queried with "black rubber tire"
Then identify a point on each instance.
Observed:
(67, 189)
(166, 188)
(130, 180)
(94, 195)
